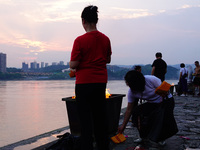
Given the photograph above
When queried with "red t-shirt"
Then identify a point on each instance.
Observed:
(91, 50)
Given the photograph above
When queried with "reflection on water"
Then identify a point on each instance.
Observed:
(30, 108)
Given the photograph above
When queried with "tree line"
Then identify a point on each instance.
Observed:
(115, 72)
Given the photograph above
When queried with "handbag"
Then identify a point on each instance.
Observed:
(184, 75)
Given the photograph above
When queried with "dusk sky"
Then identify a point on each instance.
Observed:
(44, 30)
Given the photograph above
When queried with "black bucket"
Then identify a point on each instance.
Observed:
(113, 109)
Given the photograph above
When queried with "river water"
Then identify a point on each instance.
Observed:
(30, 108)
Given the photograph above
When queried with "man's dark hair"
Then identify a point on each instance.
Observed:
(135, 80)
(158, 54)
(90, 14)
(137, 67)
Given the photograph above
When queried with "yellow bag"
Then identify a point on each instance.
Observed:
(163, 88)
(119, 138)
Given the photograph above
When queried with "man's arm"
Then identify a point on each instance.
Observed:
(108, 59)
(73, 64)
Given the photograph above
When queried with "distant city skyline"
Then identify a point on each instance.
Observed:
(45, 30)
(36, 65)
(42, 64)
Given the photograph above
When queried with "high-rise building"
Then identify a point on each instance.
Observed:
(37, 66)
(33, 65)
(42, 64)
(24, 66)
(2, 62)
(61, 63)
(46, 64)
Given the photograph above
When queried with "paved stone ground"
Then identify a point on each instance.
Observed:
(187, 115)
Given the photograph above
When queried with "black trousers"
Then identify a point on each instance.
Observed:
(155, 121)
(91, 104)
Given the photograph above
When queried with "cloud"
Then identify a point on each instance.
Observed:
(45, 30)
(188, 6)
(129, 10)
(127, 13)
(27, 59)
(34, 25)
(43, 11)
(175, 34)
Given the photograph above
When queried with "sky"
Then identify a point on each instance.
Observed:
(44, 30)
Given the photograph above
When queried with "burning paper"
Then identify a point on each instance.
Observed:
(107, 94)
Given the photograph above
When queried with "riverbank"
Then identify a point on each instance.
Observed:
(187, 115)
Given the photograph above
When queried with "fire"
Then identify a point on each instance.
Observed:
(107, 93)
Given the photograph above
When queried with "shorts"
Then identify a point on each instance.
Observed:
(196, 81)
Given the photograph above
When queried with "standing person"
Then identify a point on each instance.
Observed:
(158, 111)
(159, 67)
(183, 79)
(138, 68)
(196, 80)
(90, 54)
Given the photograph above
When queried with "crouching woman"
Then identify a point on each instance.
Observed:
(154, 118)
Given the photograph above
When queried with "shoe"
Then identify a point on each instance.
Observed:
(140, 140)
(162, 143)
(182, 95)
(139, 147)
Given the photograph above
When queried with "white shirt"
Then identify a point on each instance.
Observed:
(151, 83)
(184, 70)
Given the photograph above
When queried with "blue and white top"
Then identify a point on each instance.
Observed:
(151, 83)
(184, 70)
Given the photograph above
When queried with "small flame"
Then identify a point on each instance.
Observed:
(107, 93)
(172, 84)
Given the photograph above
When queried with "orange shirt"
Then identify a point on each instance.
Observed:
(91, 50)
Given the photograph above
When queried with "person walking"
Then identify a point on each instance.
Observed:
(138, 68)
(90, 54)
(159, 67)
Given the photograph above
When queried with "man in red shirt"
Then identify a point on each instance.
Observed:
(90, 54)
